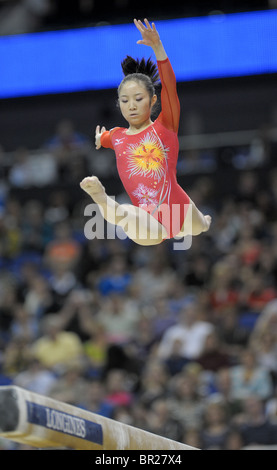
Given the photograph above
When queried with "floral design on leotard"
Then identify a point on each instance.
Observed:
(146, 196)
(147, 157)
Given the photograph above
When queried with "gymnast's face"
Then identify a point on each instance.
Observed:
(135, 103)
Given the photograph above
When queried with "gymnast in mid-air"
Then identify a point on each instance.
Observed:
(146, 153)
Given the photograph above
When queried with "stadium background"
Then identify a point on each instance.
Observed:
(227, 162)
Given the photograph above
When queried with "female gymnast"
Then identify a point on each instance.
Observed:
(146, 153)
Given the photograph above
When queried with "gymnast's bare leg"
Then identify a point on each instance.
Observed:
(138, 225)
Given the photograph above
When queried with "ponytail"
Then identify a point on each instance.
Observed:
(131, 66)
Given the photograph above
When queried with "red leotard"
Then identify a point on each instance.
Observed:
(146, 161)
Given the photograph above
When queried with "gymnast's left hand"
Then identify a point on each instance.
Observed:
(149, 33)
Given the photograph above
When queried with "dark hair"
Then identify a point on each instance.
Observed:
(140, 70)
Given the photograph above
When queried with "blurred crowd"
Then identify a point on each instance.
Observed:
(181, 343)
(28, 16)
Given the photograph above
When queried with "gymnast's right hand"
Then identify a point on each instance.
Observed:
(98, 134)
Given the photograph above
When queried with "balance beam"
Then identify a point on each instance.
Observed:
(41, 422)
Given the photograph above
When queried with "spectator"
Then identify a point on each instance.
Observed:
(234, 440)
(63, 248)
(179, 296)
(232, 334)
(248, 247)
(17, 356)
(185, 402)
(117, 277)
(156, 277)
(19, 175)
(263, 339)
(248, 187)
(191, 330)
(176, 361)
(42, 169)
(192, 437)
(8, 299)
(71, 386)
(117, 390)
(256, 294)
(161, 421)
(266, 352)
(266, 321)
(215, 426)
(38, 297)
(62, 281)
(214, 355)
(94, 399)
(94, 254)
(78, 313)
(144, 341)
(227, 226)
(57, 348)
(248, 377)
(24, 325)
(162, 316)
(197, 273)
(36, 233)
(117, 319)
(254, 426)
(36, 378)
(223, 387)
(223, 293)
(10, 230)
(95, 351)
(67, 145)
(153, 382)
(57, 207)
(271, 407)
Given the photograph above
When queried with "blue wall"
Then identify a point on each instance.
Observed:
(89, 58)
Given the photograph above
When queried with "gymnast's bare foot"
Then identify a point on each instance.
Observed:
(94, 188)
(208, 222)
